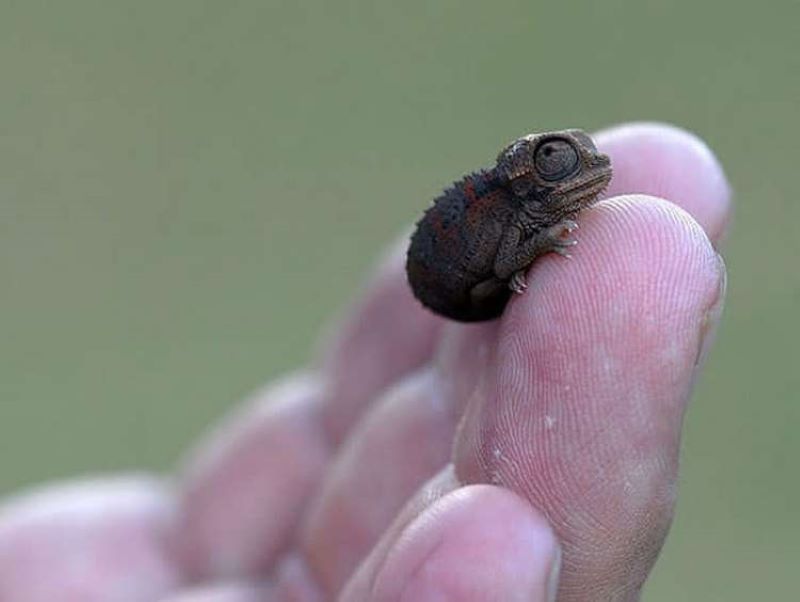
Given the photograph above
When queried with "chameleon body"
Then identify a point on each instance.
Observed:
(471, 250)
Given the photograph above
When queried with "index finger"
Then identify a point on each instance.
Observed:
(582, 412)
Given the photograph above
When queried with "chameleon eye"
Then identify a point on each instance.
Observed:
(555, 159)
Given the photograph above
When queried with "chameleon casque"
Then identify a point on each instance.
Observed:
(473, 246)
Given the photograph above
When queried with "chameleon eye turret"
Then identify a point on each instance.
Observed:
(555, 159)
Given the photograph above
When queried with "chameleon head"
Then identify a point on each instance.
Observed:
(562, 170)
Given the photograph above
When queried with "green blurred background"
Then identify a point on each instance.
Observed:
(189, 189)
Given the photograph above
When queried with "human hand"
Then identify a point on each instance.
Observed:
(429, 460)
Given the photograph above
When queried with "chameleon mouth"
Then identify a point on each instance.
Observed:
(591, 186)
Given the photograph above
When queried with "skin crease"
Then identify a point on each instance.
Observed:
(400, 461)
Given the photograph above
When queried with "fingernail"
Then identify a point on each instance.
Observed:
(552, 579)
(708, 327)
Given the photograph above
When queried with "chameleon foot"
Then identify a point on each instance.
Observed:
(518, 282)
(559, 240)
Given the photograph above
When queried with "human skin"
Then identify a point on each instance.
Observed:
(427, 460)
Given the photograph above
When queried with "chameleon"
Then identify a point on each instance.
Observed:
(472, 248)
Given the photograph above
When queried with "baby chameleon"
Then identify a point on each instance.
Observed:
(473, 246)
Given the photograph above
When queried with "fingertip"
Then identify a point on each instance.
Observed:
(475, 543)
(666, 161)
(93, 540)
(633, 250)
(404, 438)
(386, 334)
(636, 299)
(244, 487)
